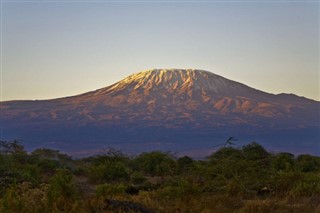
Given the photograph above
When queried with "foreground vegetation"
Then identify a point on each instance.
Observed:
(247, 179)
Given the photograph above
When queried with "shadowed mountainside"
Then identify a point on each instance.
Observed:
(165, 109)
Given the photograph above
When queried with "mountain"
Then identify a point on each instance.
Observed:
(188, 111)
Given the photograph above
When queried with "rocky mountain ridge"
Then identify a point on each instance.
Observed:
(169, 102)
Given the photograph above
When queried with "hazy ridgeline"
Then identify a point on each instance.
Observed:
(247, 179)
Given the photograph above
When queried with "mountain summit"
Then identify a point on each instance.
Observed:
(183, 108)
(177, 81)
(189, 95)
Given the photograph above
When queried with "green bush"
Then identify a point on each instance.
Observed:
(308, 163)
(283, 161)
(184, 164)
(254, 151)
(62, 190)
(109, 172)
(108, 190)
(155, 163)
(179, 187)
(25, 198)
(229, 180)
(308, 186)
(138, 178)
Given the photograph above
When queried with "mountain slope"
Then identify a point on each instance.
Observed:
(163, 106)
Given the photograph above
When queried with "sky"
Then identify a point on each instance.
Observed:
(52, 49)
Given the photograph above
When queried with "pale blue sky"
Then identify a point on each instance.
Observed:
(56, 49)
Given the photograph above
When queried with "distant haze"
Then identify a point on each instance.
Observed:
(57, 49)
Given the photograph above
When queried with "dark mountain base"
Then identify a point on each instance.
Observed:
(87, 141)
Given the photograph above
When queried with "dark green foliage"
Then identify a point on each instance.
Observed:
(308, 163)
(108, 172)
(226, 153)
(307, 186)
(155, 163)
(110, 190)
(238, 171)
(138, 178)
(283, 161)
(247, 179)
(184, 164)
(112, 167)
(16, 165)
(47, 166)
(11, 147)
(62, 190)
(254, 151)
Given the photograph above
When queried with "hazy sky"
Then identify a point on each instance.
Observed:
(60, 48)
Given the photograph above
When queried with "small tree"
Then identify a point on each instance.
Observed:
(308, 163)
(11, 147)
(254, 151)
(155, 163)
(283, 161)
(62, 191)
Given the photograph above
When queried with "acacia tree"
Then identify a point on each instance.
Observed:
(11, 147)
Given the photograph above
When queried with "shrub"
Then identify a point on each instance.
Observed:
(138, 178)
(308, 186)
(62, 190)
(308, 163)
(184, 164)
(25, 198)
(109, 172)
(108, 190)
(254, 151)
(283, 161)
(155, 163)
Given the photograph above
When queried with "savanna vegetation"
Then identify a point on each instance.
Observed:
(246, 179)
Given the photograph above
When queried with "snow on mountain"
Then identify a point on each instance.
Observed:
(157, 104)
